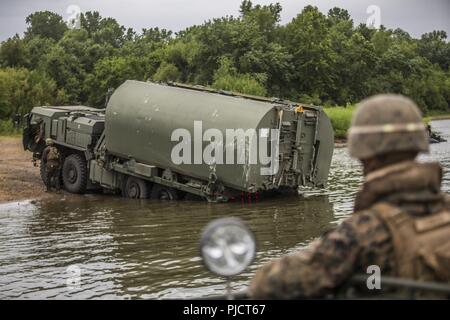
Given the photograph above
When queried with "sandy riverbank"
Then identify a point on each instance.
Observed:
(19, 179)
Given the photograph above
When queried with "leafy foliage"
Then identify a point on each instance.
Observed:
(319, 58)
(45, 24)
(7, 128)
(227, 78)
(340, 119)
(22, 89)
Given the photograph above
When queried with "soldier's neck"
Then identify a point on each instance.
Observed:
(379, 162)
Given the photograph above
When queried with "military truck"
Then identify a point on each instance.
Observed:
(128, 147)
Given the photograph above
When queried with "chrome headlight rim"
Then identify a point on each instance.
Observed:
(209, 230)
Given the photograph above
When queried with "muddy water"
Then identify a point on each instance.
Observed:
(100, 247)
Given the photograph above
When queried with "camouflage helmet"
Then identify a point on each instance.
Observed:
(386, 123)
(48, 141)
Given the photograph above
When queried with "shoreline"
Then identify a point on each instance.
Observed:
(440, 117)
(340, 143)
(19, 179)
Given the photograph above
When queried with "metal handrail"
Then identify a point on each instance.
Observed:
(403, 283)
(412, 287)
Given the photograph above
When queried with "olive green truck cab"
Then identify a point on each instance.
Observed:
(166, 141)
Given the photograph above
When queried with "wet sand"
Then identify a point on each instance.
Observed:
(19, 179)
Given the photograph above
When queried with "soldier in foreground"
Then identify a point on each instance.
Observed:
(52, 165)
(401, 221)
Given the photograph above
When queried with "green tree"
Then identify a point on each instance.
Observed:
(67, 71)
(13, 53)
(110, 32)
(316, 58)
(45, 24)
(110, 73)
(227, 78)
(434, 47)
(21, 90)
(36, 49)
(13, 87)
(78, 44)
(167, 72)
(337, 15)
(90, 21)
(43, 91)
(307, 38)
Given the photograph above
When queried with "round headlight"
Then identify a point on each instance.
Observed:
(227, 246)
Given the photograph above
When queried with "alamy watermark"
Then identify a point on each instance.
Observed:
(374, 280)
(73, 281)
(74, 16)
(374, 19)
(229, 146)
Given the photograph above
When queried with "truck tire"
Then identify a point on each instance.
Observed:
(164, 193)
(136, 188)
(74, 174)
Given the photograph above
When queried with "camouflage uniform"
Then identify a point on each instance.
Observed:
(393, 200)
(360, 241)
(51, 158)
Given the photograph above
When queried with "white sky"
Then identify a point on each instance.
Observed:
(414, 16)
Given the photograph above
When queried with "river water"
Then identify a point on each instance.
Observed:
(99, 247)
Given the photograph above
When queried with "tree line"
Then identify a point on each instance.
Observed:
(323, 59)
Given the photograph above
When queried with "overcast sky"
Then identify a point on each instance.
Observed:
(414, 16)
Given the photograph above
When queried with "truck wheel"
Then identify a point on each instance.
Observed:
(75, 174)
(160, 192)
(136, 188)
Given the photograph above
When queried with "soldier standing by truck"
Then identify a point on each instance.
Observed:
(52, 163)
(402, 219)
